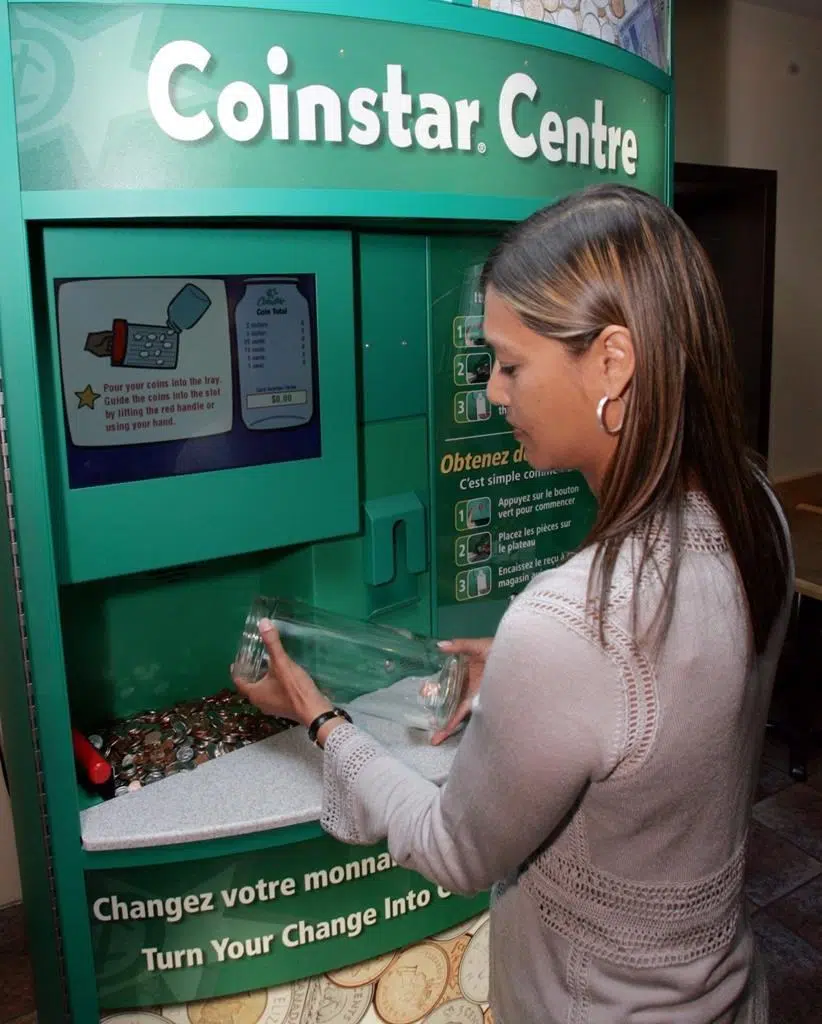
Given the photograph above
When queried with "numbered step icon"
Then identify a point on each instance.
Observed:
(474, 583)
(468, 332)
(472, 368)
(473, 514)
(473, 550)
(471, 407)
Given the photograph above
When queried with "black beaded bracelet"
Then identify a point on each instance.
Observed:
(320, 721)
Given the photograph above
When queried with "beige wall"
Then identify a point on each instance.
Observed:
(700, 74)
(9, 876)
(773, 118)
(741, 102)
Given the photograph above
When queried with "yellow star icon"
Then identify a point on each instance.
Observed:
(88, 396)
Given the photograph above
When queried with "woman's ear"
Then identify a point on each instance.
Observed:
(617, 360)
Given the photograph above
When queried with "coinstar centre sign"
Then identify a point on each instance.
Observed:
(309, 101)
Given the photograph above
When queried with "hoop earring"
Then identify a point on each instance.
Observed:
(602, 406)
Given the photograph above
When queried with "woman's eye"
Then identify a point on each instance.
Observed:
(507, 369)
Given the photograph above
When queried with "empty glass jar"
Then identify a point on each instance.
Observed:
(377, 670)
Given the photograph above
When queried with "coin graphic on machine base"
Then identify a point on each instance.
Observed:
(286, 1003)
(458, 1011)
(454, 951)
(245, 1008)
(365, 973)
(135, 1017)
(330, 1004)
(413, 984)
(474, 970)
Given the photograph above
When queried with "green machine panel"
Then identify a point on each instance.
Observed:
(200, 391)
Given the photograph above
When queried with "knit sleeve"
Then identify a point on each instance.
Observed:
(550, 719)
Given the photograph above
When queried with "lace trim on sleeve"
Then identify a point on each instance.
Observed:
(347, 752)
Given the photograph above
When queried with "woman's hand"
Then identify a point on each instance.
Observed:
(286, 690)
(476, 652)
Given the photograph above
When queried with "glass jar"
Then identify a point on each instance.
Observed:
(384, 672)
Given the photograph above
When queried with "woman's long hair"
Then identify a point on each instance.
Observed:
(614, 255)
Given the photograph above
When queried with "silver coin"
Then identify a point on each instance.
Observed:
(457, 1011)
(294, 1014)
(474, 968)
(135, 1017)
(452, 933)
(568, 19)
(591, 27)
(330, 1004)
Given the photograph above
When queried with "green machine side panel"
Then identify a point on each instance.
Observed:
(395, 457)
(185, 514)
(20, 742)
(393, 326)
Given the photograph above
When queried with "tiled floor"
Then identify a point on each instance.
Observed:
(784, 889)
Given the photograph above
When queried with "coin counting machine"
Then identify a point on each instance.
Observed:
(236, 281)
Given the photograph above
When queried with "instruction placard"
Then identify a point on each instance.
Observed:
(498, 520)
(170, 375)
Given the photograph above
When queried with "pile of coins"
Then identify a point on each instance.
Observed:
(149, 747)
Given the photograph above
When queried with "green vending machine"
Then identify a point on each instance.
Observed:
(242, 353)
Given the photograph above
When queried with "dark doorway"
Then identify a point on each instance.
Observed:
(732, 211)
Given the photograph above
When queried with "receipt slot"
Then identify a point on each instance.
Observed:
(242, 354)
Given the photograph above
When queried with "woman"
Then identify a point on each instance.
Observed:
(605, 779)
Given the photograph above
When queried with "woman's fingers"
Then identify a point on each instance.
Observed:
(457, 719)
(476, 647)
(273, 645)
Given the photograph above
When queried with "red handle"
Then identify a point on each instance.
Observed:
(96, 768)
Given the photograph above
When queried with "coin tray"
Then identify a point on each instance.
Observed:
(270, 784)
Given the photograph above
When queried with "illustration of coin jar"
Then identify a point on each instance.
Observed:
(151, 346)
(390, 674)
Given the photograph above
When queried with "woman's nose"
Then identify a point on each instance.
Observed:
(496, 391)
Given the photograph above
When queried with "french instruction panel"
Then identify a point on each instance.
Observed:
(499, 520)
